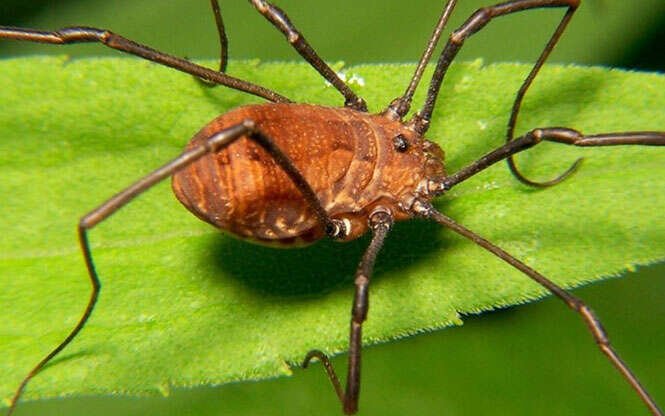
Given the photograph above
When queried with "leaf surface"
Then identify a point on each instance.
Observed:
(184, 305)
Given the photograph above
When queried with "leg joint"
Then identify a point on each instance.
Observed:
(250, 125)
(594, 325)
(380, 217)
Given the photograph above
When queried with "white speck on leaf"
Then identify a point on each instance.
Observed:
(354, 79)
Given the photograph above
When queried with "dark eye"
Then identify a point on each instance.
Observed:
(400, 143)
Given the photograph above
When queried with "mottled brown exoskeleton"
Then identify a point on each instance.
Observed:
(282, 173)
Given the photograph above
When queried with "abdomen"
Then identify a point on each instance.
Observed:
(339, 151)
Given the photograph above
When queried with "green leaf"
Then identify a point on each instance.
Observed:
(183, 305)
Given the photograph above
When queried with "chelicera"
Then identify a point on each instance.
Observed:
(284, 173)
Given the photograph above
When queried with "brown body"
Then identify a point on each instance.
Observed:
(349, 158)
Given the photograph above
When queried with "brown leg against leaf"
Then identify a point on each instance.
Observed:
(589, 317)
(213, 144)
(221, 32)
(476, 22)
(223, 43)
(380, 223)
(281, 21)
(553, 134)
(81, 34)
(401, 105)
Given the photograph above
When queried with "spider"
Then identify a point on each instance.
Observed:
(323, 219)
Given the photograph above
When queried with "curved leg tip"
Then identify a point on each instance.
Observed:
(314, 354)
(544, 184)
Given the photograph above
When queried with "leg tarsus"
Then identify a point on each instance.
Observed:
(603, 342)
(92, 301)
(544, 184)
(328, 367)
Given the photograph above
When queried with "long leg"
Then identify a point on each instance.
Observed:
(281, 21)
(589, 317)
(223, 42)
(553, 134)
(221, 33)
(213, 144)
(380, 222)
(477, 21)
(401, 105)
(114, 41)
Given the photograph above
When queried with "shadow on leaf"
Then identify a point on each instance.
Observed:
(319, 268)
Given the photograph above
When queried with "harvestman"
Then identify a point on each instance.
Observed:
(299, 208)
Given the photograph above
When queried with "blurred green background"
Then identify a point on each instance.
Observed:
(536, 359)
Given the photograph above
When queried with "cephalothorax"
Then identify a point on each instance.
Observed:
(286, 173)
